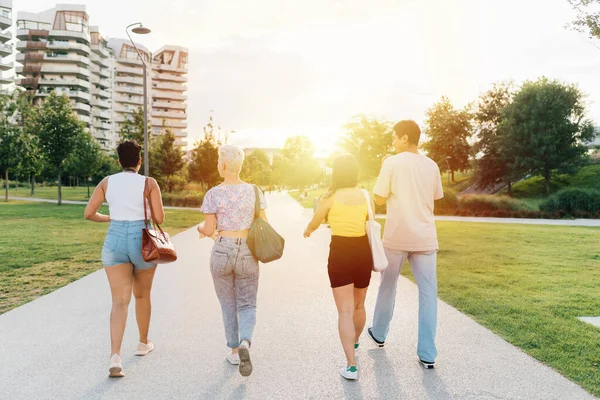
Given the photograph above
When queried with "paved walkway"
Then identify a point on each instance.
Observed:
(57, 347)
(525, 221)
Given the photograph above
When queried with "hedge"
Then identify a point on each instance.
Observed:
(577, 202)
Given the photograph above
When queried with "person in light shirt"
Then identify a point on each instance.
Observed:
(408, 184)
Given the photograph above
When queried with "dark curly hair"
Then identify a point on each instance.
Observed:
(129, 153)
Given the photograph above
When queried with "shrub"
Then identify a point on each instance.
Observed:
(573, 200)
(183, 199)
(448, 204)
(480, 203)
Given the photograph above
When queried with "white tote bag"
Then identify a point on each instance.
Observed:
(373, 228)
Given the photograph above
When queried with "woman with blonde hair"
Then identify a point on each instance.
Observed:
(350, 259)
(125, 268)
(229, 210)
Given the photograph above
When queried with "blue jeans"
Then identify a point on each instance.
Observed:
(423, 265)
(123, 244)
(235, 275)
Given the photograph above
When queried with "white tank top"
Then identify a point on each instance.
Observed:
(125, 196)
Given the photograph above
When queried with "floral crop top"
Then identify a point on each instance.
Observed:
(233, 206)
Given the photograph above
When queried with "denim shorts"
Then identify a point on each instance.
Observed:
(123, 244)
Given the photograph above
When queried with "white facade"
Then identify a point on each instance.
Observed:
(6, 48)
(169, 78)
(101, 67)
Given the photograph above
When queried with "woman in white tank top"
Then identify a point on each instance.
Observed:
(125, 268)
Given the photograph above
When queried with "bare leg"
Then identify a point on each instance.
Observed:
(142, 285)
(360, 316)
(120, 279)
(344, 301)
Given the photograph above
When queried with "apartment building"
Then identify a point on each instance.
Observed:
(101, 67)
(6, 49)
(169, 78)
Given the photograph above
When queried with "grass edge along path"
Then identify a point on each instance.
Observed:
(45, 247)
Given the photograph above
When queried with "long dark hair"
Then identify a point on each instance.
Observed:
(344, 174)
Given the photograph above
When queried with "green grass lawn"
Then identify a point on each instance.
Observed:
(528, 284)
(68, 192)
(44, 247)
(535, 187)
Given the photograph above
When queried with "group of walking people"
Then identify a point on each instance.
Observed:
(408, 184)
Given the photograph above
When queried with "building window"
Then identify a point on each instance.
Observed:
(74, 21)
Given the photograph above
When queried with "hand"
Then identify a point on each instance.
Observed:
(200, 228)
(307, 233)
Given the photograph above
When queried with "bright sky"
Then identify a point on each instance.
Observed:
(274, 68)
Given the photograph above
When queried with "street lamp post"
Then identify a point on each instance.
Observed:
(141, 30)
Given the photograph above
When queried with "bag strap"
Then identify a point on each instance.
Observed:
(368, 197)
(147, 198)
(256, 202)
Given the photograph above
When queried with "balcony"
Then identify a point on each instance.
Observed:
(59, 34)
(82, 108)
(168, 105)
(5, 50)
(139, 71)
(130, 61)
(23, 45)
(82, 61)
(65, 82)
(73, 46)
(129, 89)
(170, 77)
(28, 69)
(5, 66)
(179, 133)
(5, 36)
(66, 69)
(124, 109)
(130, 80)
(85, 118)
(137, 100)
(100, 50)
(29, 56)
(6, 80)
(169, 123)
(101, 93)
(5, 22)
(100, 104)
(168, 95)
(103, 72)
(181, 143)
(178, 87)
(169, 68)
(102, 125)
(101, 114)
(169, 114)
(74, 94)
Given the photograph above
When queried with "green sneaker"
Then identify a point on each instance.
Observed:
(356, 345)
(350, 373)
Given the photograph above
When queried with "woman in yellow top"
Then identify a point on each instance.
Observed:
(350, 258)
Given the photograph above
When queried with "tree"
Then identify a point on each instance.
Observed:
(448, 130)
(11, 139)
(107, 165)
(58, 129)
(133, 127)
(491, 167)
(588, 19)
(166, 160)
(85, 160)
(31, 163)
(203, 166)
(297, 165)
(545, 128)
(368, 139)
(257, 168)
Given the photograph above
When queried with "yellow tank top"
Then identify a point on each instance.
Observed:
(347, 220)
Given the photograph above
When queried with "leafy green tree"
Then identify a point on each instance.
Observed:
(166, 160)
(58, 129)
(203, 165)
(369, 140)
(11, 138)
(491, 167)
(545, 128)
(133, 127)
(85, 160)
(257, 168)
(587, 20)
(448, 130)
(297, 166)
(107, 165)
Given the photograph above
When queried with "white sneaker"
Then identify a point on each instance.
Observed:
(350, 373)
(245, 362)
(234, 359)
(143, 349)
(116, 367)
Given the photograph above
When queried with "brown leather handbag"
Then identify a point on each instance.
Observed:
(156, 245)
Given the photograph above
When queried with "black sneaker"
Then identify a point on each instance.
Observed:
(377, 342)
(427, 364)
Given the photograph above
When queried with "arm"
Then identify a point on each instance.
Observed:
(91, 210)
(158, 212)
(320, 214)
(209, 226)
(383, 186)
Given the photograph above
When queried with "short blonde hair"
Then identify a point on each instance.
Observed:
(232, 156)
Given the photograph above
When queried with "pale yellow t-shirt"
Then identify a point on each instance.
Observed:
(411, 182)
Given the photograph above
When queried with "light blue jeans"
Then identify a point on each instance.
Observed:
(423, 265)
(235, 275)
